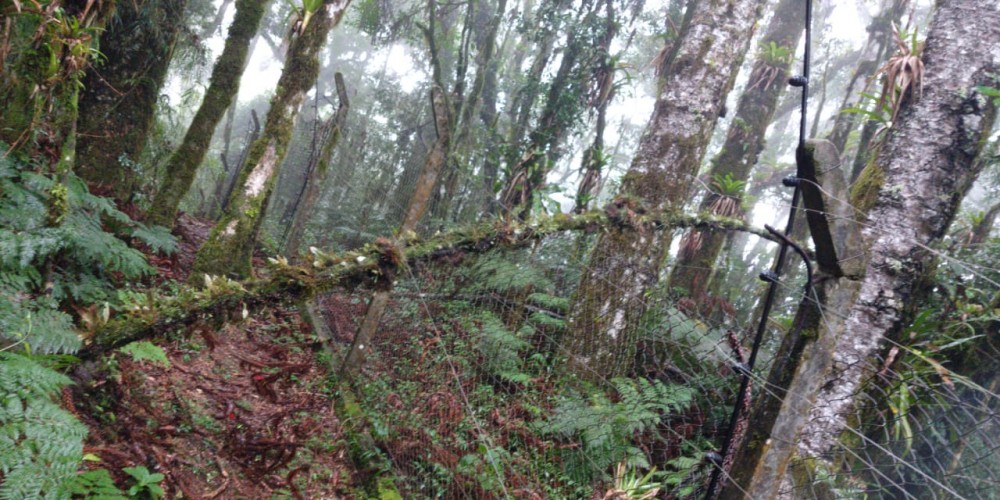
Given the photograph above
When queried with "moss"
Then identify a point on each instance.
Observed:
(119, 100)
(864, 192)
(229, 248)
(809, 474)
(225, 83)
(387, 489)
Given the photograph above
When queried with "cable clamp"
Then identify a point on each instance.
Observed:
(791, 181)
(713, 458)
(769, 276)
(742, 369)
(798, 81)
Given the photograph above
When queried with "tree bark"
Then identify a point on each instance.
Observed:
(922, 174)
(119, 100)
(609, 301)
(744, 142)
(225, 84)
(927, 166)
(230, 245)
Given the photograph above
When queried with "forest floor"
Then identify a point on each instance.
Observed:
(250, 410)
(243, 412)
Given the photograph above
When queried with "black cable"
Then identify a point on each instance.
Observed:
(773, 276)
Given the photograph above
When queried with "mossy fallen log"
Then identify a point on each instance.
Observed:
(375, 265)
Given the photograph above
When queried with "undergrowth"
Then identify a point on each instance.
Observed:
(57, 256)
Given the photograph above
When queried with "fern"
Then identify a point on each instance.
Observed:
(157, 237)
(95, 484)
(146, 351)
(36, 325)
(606, 429)
(40, 443)
(499, 348)
(498, 273)
(553, 303)
(90, 260)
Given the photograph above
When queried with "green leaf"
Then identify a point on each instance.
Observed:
(146, 351)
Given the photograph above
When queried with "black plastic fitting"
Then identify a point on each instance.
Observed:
(769, 276)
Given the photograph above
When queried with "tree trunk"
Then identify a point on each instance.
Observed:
(595, 158)
(225, 84)
(609, 301)
(42, 88)
(744, 142)
(519, 110)
(119, 100)
(562, 107)
(920, 177)
(317, 174)
(230, 245)
(927, 166)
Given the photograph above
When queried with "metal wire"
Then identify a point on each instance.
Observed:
(773, 277)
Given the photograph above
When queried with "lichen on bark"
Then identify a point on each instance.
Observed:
(744, 142)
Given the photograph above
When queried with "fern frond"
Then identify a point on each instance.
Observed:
(146, 351)
(40, 443)
(157, 237)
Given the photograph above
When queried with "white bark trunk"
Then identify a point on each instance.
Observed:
(928, 165)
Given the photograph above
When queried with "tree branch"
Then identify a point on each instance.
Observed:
(375, 266)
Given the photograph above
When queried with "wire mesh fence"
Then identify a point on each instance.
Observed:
(468, 390)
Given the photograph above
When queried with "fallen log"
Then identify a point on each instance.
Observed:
(375, 265)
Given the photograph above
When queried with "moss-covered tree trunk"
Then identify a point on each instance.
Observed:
(731, 168)
(230, 245)
(317, 174)
(697, 74)
(41, 87)
(926, 168)
(222, 89)
(119, 100)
